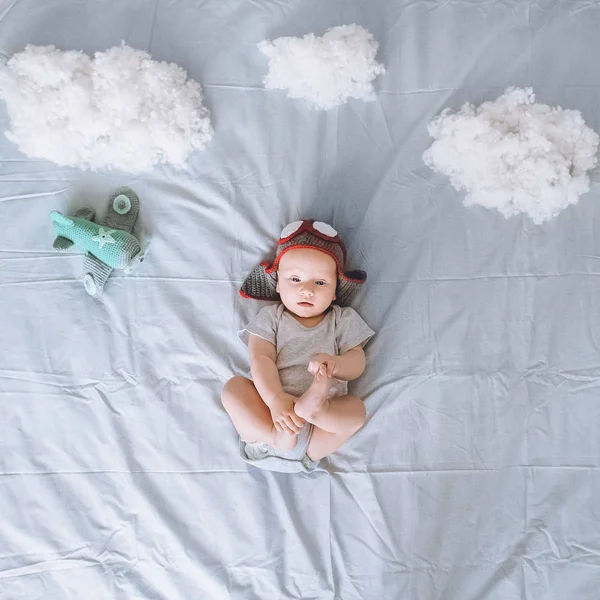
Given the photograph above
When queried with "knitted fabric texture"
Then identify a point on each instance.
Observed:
(97, 273)
(112, 242)
(261, 284)
(306, 239)
(114, 247)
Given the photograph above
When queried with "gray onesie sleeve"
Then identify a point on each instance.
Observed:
(263, 325)
(351, 330)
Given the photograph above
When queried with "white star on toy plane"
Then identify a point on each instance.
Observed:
(104, 237)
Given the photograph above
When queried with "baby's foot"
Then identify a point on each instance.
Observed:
(315, 398)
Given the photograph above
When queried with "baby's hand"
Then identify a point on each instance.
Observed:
(327, 360)
(283, 415)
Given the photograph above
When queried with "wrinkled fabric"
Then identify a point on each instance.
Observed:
(477, 474)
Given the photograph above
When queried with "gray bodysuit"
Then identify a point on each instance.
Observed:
(341, 330)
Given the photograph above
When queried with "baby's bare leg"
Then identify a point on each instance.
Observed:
(322, 443)
(340, 415)
(251, 416)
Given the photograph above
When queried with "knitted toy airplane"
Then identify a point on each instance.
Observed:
(109, 246)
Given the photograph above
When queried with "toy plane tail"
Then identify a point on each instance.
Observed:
(62, 243)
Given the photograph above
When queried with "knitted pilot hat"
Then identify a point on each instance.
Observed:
(261, 284)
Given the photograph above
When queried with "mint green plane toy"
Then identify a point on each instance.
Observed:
(109, 246)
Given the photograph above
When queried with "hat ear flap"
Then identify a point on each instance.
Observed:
(260, 284)
(348, 284)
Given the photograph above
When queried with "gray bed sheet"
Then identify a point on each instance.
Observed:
(477, 475)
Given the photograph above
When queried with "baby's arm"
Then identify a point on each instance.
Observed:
(263, 368)
(265, 376)
(347, 366)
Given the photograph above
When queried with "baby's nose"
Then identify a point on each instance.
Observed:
(307, 290)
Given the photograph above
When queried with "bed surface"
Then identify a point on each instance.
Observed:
(477, 474)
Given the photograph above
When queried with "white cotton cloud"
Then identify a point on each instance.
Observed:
(325, 70)
(117, 110)
(515, 155)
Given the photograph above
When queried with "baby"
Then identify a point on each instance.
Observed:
(296, 409)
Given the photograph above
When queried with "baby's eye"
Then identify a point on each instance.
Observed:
(295, 279)
(321, 283)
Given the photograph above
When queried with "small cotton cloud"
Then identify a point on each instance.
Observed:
(117, 110)
(515, 155)
(325, 70)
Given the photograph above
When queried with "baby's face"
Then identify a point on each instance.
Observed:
(306, 281)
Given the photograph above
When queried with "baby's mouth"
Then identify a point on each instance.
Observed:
(304, 304)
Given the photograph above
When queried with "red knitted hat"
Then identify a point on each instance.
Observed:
(261, 284)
